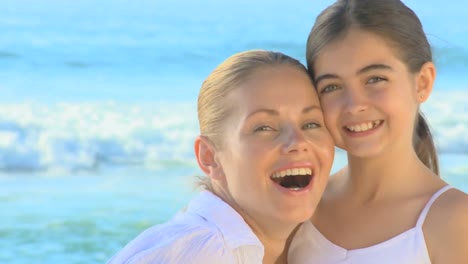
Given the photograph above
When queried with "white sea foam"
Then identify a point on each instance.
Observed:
(76, 136)
(448, 118)
(85, 136)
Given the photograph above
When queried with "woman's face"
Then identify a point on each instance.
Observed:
(369, 98)
(277, 153)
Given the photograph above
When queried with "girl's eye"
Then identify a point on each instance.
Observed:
(311, 125)
(263, 128)
(376, 79)
(329, 88)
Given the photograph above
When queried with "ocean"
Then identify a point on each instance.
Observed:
(98, 109)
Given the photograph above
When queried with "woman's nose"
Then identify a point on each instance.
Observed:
(295, 141)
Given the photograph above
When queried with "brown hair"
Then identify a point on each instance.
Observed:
(213, 105)
(399, 25)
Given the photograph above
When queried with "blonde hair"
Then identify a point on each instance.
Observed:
(213, 106)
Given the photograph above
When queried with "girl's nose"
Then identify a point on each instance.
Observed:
(355, 101)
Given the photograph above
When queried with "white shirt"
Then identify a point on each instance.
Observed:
(208, 232)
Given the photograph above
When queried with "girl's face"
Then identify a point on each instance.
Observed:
(277, 153)
(368, 96)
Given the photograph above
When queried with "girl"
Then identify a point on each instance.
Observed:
(372, 67)
(267, 155)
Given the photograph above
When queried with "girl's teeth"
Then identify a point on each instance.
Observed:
(364, 126)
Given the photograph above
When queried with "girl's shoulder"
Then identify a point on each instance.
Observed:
(446, 228)
(450, 207)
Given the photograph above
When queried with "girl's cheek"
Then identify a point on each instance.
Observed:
(330, 104)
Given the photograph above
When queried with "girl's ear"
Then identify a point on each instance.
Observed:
(206, 158)
(425, 81)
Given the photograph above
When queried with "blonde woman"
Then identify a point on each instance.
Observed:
(267, 155)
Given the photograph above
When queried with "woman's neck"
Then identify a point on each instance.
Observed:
(275, 239)
(274, 235)
(275, 251)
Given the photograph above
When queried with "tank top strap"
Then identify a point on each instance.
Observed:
(426, 209)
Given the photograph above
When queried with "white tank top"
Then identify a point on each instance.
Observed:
(409, 247)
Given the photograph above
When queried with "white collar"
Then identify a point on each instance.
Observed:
(235, 230)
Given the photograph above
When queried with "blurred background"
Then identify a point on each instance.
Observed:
(98, 109)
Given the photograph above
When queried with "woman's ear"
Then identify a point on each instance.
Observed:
(425, 81)
(206, 158)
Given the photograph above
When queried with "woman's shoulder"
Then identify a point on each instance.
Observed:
(181, 240)
(208, 231)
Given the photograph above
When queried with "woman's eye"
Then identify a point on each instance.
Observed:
(329, 88)
(311, 125)
(376, 80)
(263, 128)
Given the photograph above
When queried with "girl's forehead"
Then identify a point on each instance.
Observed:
(356, 47)
(356, 37)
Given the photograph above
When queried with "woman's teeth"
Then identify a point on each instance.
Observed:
(292, 172)
(293, 179)
(364, 126)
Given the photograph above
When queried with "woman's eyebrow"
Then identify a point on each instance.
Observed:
(311, 108)
(263, 110)
(274, 112)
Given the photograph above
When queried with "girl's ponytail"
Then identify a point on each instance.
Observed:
(424, 144)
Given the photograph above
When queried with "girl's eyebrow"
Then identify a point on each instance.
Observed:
(365, 69)
(324, 77)
(374, 67)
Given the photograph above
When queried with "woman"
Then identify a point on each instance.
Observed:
(266, 154)
(372, 67)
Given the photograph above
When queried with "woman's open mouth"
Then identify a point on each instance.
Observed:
(293, 179)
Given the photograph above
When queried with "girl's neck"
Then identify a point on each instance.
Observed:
(383, 176)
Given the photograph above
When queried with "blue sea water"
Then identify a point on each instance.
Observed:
(98, 114)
